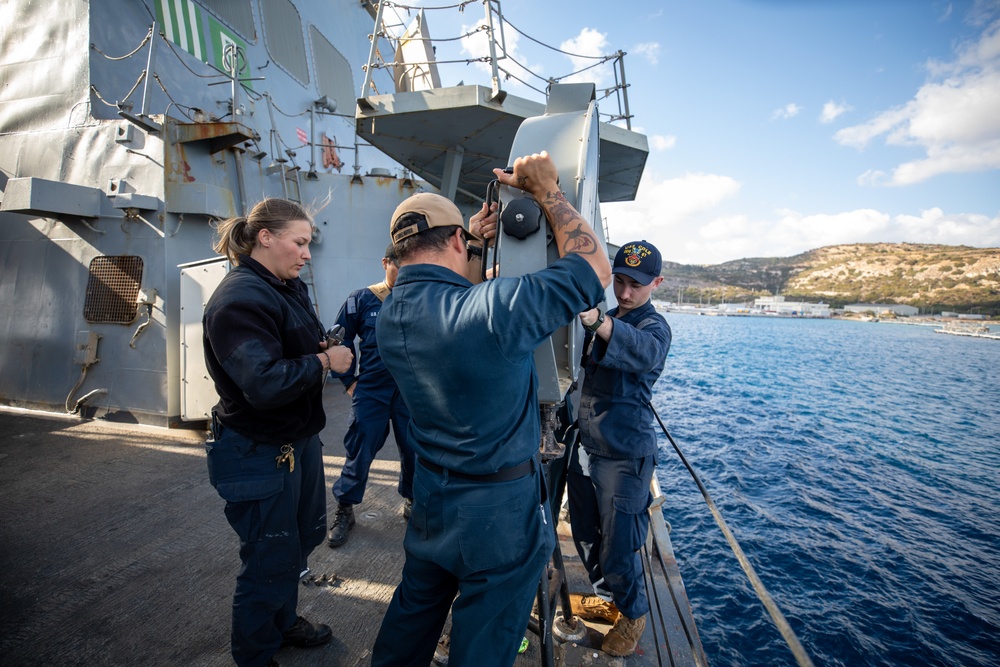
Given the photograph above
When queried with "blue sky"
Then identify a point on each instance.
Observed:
(778, 126)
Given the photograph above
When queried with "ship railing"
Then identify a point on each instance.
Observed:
(389, 25)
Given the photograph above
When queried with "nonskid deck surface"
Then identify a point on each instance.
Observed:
(116, 551)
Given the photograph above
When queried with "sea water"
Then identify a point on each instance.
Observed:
(858, 465)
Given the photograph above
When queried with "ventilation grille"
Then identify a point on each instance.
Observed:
(112, 289)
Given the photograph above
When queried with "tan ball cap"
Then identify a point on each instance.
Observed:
(438, 211)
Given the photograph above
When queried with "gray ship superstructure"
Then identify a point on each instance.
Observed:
(128, 126)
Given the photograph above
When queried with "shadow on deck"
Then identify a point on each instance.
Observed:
(116, 551)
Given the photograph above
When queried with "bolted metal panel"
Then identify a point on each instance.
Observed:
(113, 289)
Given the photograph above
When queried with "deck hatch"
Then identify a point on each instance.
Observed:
(113, 289)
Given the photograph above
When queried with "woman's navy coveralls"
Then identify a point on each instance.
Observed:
(261, 339)
(610, 494)
(374, 403)
(463, 356)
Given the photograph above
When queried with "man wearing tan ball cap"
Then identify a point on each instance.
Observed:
(462, 355)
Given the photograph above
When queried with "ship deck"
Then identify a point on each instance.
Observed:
(116, 551)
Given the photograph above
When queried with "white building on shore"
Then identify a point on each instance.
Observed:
(776, 305)
(879, 308)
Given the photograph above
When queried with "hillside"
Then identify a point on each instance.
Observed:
(932, 277)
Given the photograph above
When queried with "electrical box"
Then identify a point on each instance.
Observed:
(86, 348)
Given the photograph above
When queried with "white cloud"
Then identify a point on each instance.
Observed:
(788, 111)
(591, 44)
(684, 218)
(649, 50)
(831, 110)
(661, 142)
(665, 210)
(955, 118)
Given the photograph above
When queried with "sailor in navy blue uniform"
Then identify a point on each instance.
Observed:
(263, 349)
(610, 472)
(375, 402)
(463, 357)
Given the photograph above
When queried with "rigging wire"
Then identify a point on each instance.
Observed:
(134, 51)
(180, 107)
(574, 55)
(779, 619)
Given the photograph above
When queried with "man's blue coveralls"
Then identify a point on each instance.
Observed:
(608, 509)
(375, 402)
(261, 336)
(463, 356)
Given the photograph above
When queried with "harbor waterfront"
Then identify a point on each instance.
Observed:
(857, 466)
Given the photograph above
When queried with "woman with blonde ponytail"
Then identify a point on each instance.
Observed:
(266, 352)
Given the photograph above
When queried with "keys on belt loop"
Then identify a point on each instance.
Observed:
(287, 454)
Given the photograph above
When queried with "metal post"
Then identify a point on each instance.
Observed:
(366, 86)
(497, 94)
(234, 73)
(312, 139)
(149, 69)
(621, 70)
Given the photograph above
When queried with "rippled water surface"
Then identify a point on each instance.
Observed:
(858, 465)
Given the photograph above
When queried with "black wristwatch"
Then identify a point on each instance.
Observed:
(597, 323)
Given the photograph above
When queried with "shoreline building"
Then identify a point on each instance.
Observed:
(879, 308)
(776, 305)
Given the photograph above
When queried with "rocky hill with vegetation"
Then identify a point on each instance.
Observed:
(930, 277)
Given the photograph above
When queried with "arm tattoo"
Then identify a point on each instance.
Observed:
(561, 213)
(580, 240)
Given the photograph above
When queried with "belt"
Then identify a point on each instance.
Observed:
(502, 475)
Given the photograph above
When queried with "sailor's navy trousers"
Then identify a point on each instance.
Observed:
(607, 510)
(487, 543)
(280, 517)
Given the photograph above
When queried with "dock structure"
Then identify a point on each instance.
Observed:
(972, 330)
(116, 552)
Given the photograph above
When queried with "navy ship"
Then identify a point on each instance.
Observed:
(126, 128)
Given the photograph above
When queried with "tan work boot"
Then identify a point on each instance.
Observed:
(594, 608)
(622, 639)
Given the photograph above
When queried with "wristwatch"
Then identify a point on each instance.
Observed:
(597, 323)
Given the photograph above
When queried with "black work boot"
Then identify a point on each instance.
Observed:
(304, 634)
(343, 521)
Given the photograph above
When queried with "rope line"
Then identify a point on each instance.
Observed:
(96, 92)
(180, 107)
(779, 619)
(134, 51)
(527, 36)
(460, 6)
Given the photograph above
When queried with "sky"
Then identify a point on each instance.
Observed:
(778, 126)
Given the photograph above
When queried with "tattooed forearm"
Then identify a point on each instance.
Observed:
(561, 214)
(559, 210)
(580, 241)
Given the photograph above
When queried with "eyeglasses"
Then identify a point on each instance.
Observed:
(470, 249)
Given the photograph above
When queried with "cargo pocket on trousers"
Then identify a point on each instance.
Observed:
(633, 511)
(492, 535)
(243, 503)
